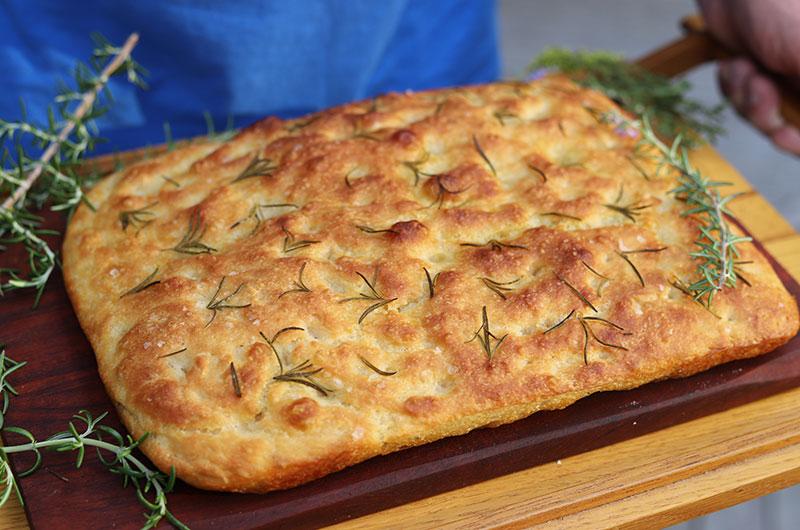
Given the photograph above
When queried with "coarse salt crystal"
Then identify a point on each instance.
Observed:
(146, 344)
(358, 433)
(114, 273)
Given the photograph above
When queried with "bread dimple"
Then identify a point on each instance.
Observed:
(385, 230)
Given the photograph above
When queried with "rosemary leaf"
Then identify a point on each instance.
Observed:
(235, 381)
(219, 304)
(258, 167)
(373, 295)
(176, 352)
(299, 285)
(577, 293)
(499, 288)
(483, 154)
(559, 323)
(138, 218)
(190, 242)
(494, 245)
(562, 215)
(632, 266)
(431, 282)
(142, 285)
(290, 244)
(485, 337)
(375, 369)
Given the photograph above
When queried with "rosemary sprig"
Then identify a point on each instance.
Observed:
(588, 331)
(258, 216)
(151, 486)
(138, 218)
(29, 181)
(577, 293)
(413, 165)
(431, 282)
(219, 304)
(290, 244)
(258, 167)
(494, 245)
(678, 284)
(499, 288)
(385, 373)
(7, 367)
(717, 244)
(442, 191)
(485, 337)
(372, 294)
(481, 152)
(190, 242)
(142, 285)
(298, 286)
(631, 211)
(638, 90)
(303, 373)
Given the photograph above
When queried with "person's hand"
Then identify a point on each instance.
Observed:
(769, 32)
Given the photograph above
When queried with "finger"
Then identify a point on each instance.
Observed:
(733, 77)
(787, 138)
(762, 103)
(718, 18)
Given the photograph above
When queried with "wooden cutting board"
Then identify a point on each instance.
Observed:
(61, 378)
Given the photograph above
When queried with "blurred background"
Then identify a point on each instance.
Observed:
(633, 28)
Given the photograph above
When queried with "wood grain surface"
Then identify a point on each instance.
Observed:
(654, 478)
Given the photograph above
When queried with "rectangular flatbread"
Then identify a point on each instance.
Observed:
(307, 294)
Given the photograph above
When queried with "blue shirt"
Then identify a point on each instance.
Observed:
(243, 59)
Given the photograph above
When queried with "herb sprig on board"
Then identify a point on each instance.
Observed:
(672, 112)
(717, 253)
(39, 161)
(115, 452)
(39, 167)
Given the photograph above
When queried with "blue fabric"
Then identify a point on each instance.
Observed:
(245, 59)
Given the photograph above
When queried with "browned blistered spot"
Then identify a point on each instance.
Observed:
(404, 137)
(399, 331)
(265, 126)
(299, 412)
(420, 406)
(411, 230)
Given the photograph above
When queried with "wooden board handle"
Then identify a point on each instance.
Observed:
(697, 47)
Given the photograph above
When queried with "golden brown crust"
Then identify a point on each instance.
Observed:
(383, 229)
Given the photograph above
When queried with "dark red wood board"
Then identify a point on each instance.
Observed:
(62, 378)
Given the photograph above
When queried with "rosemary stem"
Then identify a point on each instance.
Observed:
(87, 101)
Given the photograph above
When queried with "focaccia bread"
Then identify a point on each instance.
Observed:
(311, 293)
